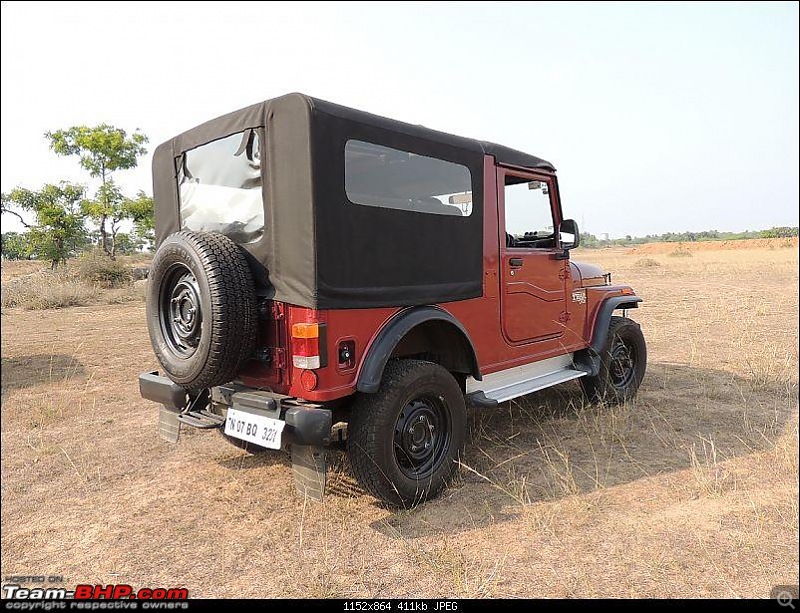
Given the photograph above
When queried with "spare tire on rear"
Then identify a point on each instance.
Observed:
(201, 309)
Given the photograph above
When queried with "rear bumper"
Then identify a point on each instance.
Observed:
(162, 390)
(304, 425)
(308, 426)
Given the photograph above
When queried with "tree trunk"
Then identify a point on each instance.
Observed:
(59, 255)
(113, 253)
(104, 235)
(103, 218)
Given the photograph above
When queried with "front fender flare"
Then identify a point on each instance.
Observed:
(589, 359)
(603, 319)
(369, 377)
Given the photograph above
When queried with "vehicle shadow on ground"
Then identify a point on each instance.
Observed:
(30, 370)
(259, 459)
(552, 445)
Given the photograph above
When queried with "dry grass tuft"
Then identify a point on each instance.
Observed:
(709, 472)
(647, 263)
(47, 290)
(91, 279)
(136, 292)
(98, 269)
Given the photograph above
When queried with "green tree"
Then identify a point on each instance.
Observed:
(589, 240)
(102, 150)
(778, 232)
(140, 211)
(59, 230)
(126, 244)
(15, 246)
(107, 210)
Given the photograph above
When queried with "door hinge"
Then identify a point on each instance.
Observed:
(564, 317)
(277, 357)
(564, 274)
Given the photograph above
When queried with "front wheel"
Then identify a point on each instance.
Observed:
(623, 361)
(405, 441)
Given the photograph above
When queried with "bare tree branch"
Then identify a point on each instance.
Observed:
(18, 216)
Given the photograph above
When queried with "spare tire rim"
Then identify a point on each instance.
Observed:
(622, 367)
(180, 314)
(421, 437)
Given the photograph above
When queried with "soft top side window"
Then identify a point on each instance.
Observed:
(380, 176)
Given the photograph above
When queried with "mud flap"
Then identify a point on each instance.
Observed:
(169, 428)
(310, 470)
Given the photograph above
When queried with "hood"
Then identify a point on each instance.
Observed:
(589, 274)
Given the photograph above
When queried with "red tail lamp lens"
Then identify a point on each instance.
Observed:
(309, 380)
(305, 345)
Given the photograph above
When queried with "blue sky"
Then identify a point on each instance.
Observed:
(659, 117)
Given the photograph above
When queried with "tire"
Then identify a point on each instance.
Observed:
(418, 403)
(623, 361)
(201, 309)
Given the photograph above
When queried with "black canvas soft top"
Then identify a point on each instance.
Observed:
(320, 250)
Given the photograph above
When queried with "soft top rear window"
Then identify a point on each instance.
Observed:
(219, 185)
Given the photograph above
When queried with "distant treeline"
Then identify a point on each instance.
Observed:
(591, 241)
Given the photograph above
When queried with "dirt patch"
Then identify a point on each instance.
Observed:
(738, 245)
(691, 492)
(32, 370)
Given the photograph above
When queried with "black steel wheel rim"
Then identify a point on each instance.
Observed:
(422, 436)
(622, 367)
(180, 313)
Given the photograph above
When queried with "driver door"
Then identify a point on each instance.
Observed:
(533, 267)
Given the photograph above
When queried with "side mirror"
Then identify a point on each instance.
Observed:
(570, 237)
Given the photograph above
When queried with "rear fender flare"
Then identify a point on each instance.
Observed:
(379, 352)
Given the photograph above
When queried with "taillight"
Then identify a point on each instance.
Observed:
(307, 348)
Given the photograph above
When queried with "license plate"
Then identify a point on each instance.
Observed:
(257, 429)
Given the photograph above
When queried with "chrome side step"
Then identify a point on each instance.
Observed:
(508, 384)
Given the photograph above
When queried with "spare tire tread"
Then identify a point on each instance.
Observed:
(231, 322)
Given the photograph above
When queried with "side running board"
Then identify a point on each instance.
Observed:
(505, 385)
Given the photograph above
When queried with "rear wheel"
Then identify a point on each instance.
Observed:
(623, 361)
(405, 441)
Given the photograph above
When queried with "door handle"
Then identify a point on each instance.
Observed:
(515, 262)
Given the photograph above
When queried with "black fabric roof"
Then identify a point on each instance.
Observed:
(514, 157)
(321, 250)
(503, 154)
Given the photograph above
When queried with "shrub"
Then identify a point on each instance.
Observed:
(98, 269)
(132, 293)
(46, 290)
(680, 252)
(647, 263)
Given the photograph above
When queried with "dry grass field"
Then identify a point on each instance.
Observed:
(692, 491)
